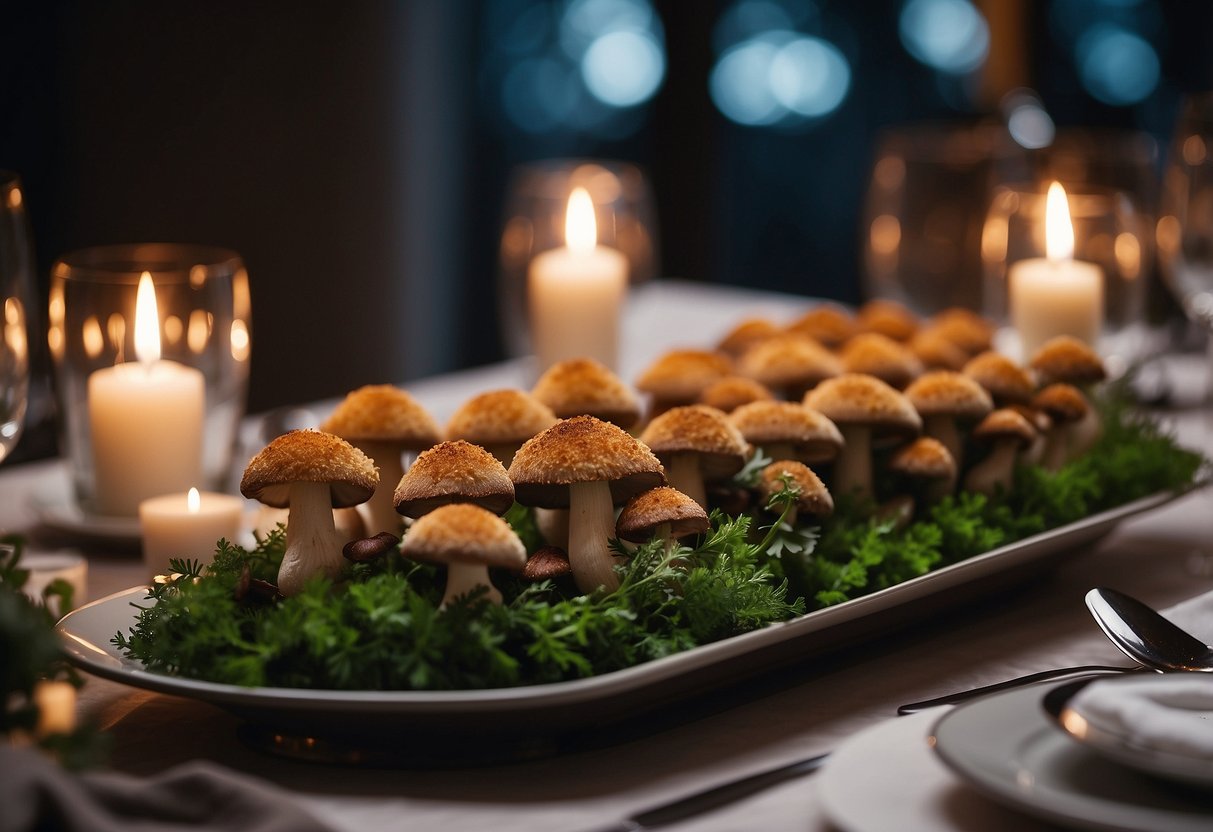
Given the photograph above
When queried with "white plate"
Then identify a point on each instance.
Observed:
(886, 777)
(597, 700)
(1109, 739)
(1007, 747)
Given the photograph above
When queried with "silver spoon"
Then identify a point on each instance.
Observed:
(1146, 636)
(1138, 631)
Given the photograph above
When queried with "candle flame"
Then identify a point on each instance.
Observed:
(580, 228)
(193, 501)
(147, 322)
(1059, 230)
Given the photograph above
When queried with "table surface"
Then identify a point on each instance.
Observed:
(1162, 557)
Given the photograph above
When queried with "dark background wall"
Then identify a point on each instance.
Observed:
(356, 154)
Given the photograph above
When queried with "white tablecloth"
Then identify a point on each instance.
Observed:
(1163, 558)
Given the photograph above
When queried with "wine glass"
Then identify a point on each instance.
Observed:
(16, 267)
(1185, 224)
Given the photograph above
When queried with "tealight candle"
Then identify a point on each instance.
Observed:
(1056, 294)
(56, 703)
(146, 420)
(576, 292)
(186, 526)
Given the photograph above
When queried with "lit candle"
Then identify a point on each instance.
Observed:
(186, 526)
(146, 420)
(56, 703)
(1056, 294)
(576, 292)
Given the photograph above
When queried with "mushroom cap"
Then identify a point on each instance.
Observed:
(383, 413)
(1066, 359)
(964, 328)
(856, 399)
(814, 497)
(827, 323)
(645, 512)
(681, 375)
(464, 533)
(1036, 417)
(747, 333)
(1002, 378)
(1005, 423)
(731, 392)
(582, 449)
(584, 387)
(924, 458)
(945, 393)
(813, 436)
(789, 360)
(878, 355)
(500, 417)
(309, 456)
(547, 563)
(936, 351)
(1062, 402)
(887, 317)
(701, 430)
(454, 472)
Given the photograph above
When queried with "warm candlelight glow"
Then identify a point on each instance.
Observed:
(580, 228)
(193, 502)
(1059, 230)
(94, 340)
(147, 322)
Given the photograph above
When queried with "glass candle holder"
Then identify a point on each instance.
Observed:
(534, 222)
(927, 194)
(1065, 259)
(151, 346)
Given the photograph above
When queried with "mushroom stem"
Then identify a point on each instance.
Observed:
(462, 578)
(1086, 432)
(591, 526)
(994, 472)
(313, 546)
(779, 450)
(684, 475)
(504, 452)
(853, 470)
(553, 524)
(1058, 444)
(381, 508)
(943, 428)
(936, 490)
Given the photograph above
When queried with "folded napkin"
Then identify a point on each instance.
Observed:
(1170, 713)
(36, 794)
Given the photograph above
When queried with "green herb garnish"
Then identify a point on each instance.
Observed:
(381, 627)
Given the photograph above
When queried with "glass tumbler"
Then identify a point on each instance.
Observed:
(534, 221)
(151, 396)
(1093, 290)
(16, 280)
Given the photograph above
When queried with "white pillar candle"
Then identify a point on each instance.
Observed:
(56, 703)
(576, 293)
(186, 526)
(146, 420)
(1056, 295)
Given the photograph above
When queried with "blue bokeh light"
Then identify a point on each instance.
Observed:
(1116, 66)
(779, 77)
(947, 35)
(623, 68)
(810, 76)
(740, 83)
